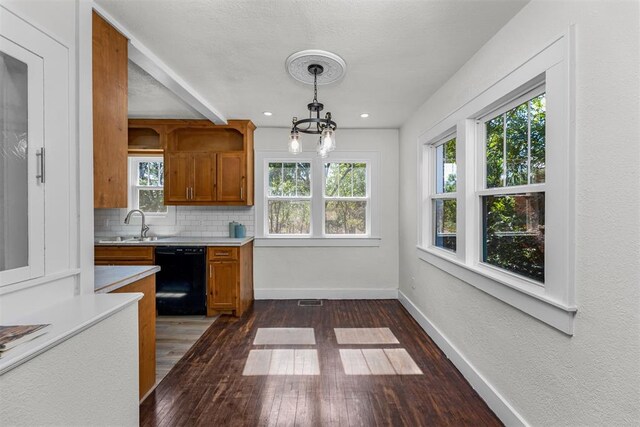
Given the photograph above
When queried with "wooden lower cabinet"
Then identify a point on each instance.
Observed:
(123, 255)
(230, 279)
(146, 330)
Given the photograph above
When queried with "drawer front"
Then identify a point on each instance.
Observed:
(222, 253)
(124, 253)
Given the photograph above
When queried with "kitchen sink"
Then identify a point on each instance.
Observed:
(128, 240)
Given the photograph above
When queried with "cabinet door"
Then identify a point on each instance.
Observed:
(177, 179)
(223, 281)
(204, 169)
(33, 75)
(231, 182)
(110, 82)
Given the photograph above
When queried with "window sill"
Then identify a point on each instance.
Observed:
(551, 312)
(311, 242)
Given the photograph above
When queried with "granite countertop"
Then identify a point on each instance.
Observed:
(176, 241)
(112, 277)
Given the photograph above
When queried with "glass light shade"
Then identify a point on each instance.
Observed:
(328, 139)
(321, 148)
(295, 144)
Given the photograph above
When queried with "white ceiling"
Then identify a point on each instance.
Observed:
(149, 99)
(232, 52)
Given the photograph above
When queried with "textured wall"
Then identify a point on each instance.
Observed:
(337, 272)
(89, 380)
(592, 378)
(193, 221)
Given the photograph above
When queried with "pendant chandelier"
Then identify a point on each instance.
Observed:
(318, 64)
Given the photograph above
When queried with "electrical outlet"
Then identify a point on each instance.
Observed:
(413, 283)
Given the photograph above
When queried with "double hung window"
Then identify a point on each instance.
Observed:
(146, 185)
(513, 191)
(443, 198)
(288, 198)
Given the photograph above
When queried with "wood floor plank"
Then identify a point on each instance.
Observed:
(378, 362)
(258, 363)
(354, 362)
(365, 336)
(402, 363)
(207, 385)
(285, 336)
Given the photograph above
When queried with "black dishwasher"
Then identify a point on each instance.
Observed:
(181, 282)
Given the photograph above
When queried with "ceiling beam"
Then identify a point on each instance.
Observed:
(143, 57)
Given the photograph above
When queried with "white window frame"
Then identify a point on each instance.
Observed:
(268, 198)
(429, 166)
(317, 237)
(554, 302)
(168, 218)
(366, 198)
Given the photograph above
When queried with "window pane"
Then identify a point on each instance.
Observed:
(345, 179)
(495, 151)
(151, 173)
(289, 179)
(446, 167)
(513, 233)
(275, 179)
(445, 216)
(517, 144)
(538, 128)
(151, 201)
(345, 217)
(289, 217)
(303, 175)
(359, 180)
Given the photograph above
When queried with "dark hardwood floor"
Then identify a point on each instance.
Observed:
(207, 387)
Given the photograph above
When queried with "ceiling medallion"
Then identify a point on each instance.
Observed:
(319, 68)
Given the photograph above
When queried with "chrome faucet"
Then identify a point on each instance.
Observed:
(145, 228)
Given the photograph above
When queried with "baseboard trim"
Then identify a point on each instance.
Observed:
(507, 414)
(301, 293)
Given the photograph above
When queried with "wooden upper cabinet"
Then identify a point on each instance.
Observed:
(205, 164)
(109, 115)
(177, 179)
(231, 178)
(204, 178)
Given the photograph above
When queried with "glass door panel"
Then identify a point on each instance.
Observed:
(21, 163)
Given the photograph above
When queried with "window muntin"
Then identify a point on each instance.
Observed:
(443, 197)
(513, 237)
(147, 185)
(345, 194)
(289, 198)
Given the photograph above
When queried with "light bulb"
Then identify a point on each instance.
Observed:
(328, 139)
(321, 149)
(295, 147)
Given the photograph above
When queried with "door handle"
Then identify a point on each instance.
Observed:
(40, 156)
(242, 188)
(186, 193)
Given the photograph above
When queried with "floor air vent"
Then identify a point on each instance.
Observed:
(310, 303)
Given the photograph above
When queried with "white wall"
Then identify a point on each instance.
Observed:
(332, 272)
(592, 378)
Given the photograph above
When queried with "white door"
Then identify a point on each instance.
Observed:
(32, 70)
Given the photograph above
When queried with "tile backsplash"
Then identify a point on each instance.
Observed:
(192, 221)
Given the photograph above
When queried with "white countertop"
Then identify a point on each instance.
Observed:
(177, 241)
(112, 277)
(67, 319)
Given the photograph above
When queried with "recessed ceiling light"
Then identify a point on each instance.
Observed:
(267, 113)
(364, 115)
